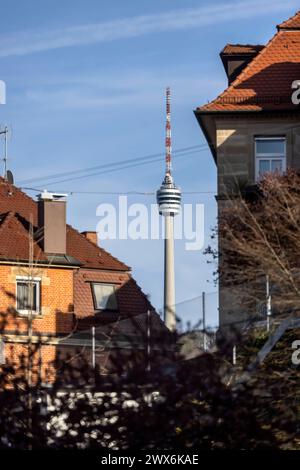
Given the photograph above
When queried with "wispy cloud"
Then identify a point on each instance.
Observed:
(27, 42)
(133, 90)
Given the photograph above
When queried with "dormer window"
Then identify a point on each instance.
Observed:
(104, 296)
(270, 156)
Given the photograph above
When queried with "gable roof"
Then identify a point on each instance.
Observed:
(238, 49)
(126, 333)
(89, 254)
(17, 208)
(14, 238)
(291, 23)
(265, 83)
(130, 297)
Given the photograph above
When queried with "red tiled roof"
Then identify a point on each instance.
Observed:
(238, 49)
(97, 265)
(131, 300)
(265, 83)
(14, 238)
(91, 255)
(291, 23)
(134, 326)
(14, 200)
(131, 332)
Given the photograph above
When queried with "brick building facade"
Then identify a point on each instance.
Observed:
(51, 300)
(252, 127)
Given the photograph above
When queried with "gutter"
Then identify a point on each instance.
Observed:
(39, 263)
(204, 112)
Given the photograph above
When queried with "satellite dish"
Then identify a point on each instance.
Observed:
(9, 177)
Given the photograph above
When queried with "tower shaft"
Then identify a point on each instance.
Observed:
(169, 275)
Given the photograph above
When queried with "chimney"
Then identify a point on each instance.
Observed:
(92, 236)
(52, 222)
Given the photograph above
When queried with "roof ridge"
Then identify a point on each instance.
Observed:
(7, 217)
(12, 215)
(255, 59)
(99, 248)
(4, 182)
(284, 24)
(246, 69)
(243, 44)
(20, 228)
(239, 44)
(145, 295)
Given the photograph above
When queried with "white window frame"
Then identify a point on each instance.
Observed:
(94, 296)
(37, 282)
(266, 156)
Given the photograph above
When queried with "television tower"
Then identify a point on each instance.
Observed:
(169, 201)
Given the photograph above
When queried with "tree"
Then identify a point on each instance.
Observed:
(259, 236)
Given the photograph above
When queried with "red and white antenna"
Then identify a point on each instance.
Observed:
(168, 132)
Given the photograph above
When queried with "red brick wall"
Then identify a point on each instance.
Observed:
(42, 361)
(56, 300)
(59, 289)
(56, 317)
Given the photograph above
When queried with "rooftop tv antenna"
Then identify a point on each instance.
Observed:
(6, 134)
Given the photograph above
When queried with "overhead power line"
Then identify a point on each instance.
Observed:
(110, 167)
(124, 167)
(113, 193)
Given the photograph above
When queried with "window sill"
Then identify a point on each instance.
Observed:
(26, 313)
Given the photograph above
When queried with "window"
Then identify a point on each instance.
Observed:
(270, 155)
(2, 352)
(104, 296)
(28, 296)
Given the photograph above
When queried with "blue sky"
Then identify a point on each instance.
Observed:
(85, 86)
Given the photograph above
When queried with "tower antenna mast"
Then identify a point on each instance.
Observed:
(168, 132)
